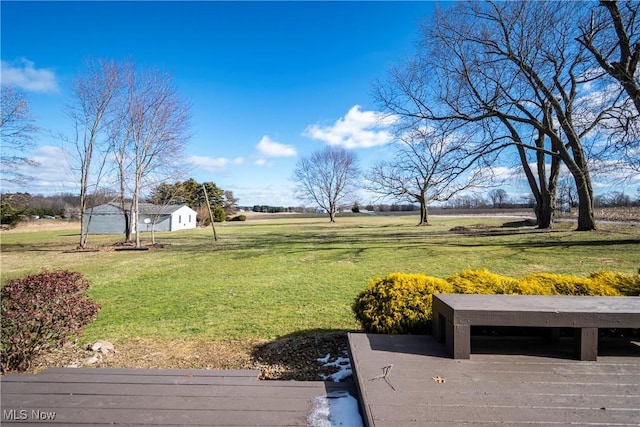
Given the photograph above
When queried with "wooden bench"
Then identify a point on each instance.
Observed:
(454, 314)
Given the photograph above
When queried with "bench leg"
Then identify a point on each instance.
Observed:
(459, 340)
(587, 343)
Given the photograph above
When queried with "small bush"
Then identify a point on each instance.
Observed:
(482, 282)
(626, 284)
(40, 312)
(398, 303)
(218, 214)
(238, 218)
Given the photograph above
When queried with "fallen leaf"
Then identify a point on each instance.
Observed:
(439, 379)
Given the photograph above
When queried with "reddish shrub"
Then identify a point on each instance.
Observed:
(40, 312)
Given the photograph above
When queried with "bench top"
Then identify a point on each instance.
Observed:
(541, 303)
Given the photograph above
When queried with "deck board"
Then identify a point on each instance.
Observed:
(534, 387)
(153, 397)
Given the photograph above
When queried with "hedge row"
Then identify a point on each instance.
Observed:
(401, 303)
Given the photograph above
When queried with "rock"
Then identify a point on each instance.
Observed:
(104, 347)
(91, 360)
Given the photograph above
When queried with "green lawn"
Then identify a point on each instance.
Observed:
(269, 278)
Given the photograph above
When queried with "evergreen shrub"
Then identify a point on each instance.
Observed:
(482, 282)
(40, 312)
(626, 284)
(562, 284)
(398, 303)
(218, 214)
(401, 303)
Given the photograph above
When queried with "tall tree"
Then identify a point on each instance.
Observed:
(499, 197)
(94, 93)
(155, 131)
(517, 64)
(428, 165)
(327, 177)
(612, 36)
(17, 132)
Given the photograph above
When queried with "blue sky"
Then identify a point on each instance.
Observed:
(269, 82)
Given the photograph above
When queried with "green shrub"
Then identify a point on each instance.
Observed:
(40, 312)
(482, 282)
(401, 303)
(238, 218)
(398, 303)
(9, 217)
(626, 284)
(218, 214)
(560, 284)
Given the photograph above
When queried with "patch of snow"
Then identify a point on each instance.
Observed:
(342, 363)
(337, 408)
(324, 359)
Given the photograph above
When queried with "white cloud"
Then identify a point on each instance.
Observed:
(357, 129)
(503, 173)
(270, 148)
(25, 76)
(214, 165)
(51, 173)
(281, 194)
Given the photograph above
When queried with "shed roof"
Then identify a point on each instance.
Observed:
(143, 208)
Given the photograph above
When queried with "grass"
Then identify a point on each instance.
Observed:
(270, 278)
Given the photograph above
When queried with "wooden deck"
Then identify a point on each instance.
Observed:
(402, 381)
(144, 397)
(513, 382)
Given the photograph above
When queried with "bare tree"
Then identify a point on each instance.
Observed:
(615, 31)
(92, 110)
(567, 194)
(17, 131)
(611, 34)
(430, 164)
(499, 197)
(155, 133)
(512, 64)
(327, 177)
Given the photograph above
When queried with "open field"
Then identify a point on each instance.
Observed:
(270, 278)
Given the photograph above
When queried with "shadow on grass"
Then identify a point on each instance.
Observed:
(312, 237)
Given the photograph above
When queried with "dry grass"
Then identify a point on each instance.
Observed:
(34, 226)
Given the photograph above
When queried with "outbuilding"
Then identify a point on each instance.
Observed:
(110, 219)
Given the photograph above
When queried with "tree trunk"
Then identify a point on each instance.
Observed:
(134, 217)
(332, 211)
(424, 212)
(586, 217)
(544, 214)
(578, 167)
(127, 225)
(84, 228)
